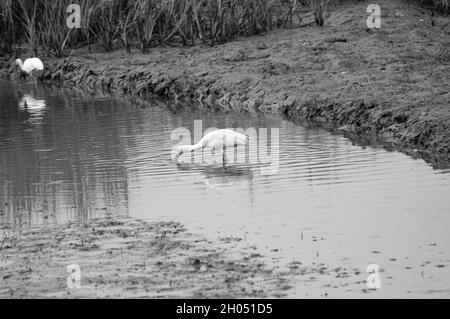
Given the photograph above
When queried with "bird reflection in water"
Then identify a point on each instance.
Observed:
(33, 107)
(216, 176)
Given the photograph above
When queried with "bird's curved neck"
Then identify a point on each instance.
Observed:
(20, 64)
(191, 148)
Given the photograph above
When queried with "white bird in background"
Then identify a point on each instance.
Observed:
(30, 65)
(218, 140)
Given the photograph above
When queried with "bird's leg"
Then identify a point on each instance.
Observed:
(30, 78)
(224, 157)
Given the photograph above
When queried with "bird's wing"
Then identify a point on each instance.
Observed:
(233, 138)
(38, 64)
(240, 138)
(217, 139)
(33, 64)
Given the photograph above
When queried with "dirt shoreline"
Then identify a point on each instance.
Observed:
(389, 86)
(129, 258)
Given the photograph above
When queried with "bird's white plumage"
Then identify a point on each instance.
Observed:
(223, 138)
(30, 65)
(218, 140)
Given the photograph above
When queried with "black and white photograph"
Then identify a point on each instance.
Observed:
(250, 150)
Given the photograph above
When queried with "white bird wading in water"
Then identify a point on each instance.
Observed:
(217, 140)
(30, 65)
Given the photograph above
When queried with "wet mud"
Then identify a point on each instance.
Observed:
(129, 258)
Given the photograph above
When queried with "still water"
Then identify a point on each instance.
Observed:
(68, 155)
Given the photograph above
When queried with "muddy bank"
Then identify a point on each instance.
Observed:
(389, 86)
(127, 258)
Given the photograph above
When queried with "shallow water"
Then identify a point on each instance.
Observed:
(66, 155)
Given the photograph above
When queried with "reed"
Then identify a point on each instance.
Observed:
(140, 23)
(147, 13)
(41, 24)
(443, 5)
(53, 31)
(29, 12)
(86, 34)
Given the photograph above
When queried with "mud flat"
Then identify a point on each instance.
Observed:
(128, 258)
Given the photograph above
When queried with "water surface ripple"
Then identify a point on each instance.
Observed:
(67, 156)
